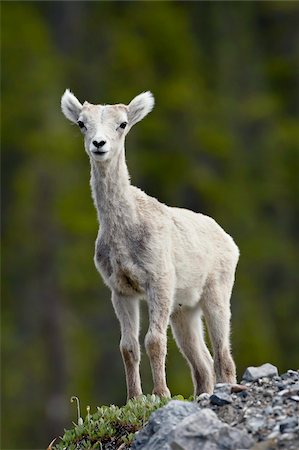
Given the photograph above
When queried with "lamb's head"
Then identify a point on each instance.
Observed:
(105, 126)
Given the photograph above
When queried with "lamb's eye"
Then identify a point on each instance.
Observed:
(123, 125)
(81, 124)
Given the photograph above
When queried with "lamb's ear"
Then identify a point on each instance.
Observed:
(140, 106)
(70, 105)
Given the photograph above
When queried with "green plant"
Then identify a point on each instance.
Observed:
(111, 426)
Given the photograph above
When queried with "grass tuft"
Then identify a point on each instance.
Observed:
(111, 427)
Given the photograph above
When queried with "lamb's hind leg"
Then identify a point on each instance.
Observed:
(187, 329)
(216, 309)
(127, 311)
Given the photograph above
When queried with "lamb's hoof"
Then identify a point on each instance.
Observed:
(165, 392)
(134, 395)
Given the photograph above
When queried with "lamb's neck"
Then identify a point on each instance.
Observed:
(110, 185)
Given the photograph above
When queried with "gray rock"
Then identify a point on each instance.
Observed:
(271, 423)
(223, 387)
(157, 433)
(277, 400)
(277, 410)
(254, 373)
(292, 390)
(285, 376)
(206, 446)
(203, 430)
(288, 424)
(284, 393)
(243, 395)
(273, 435)
(255, 423)
(267, 412)
(185, 426)
(288, 436)
(220, 398)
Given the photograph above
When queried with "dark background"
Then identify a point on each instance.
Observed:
(223, 139)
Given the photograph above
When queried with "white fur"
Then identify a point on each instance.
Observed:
(140, 106)
(181, 262)
(70, 105)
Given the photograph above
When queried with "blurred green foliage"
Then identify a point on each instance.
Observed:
(223, 139)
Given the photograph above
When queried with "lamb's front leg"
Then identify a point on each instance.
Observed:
(127, 311)
(159, 301)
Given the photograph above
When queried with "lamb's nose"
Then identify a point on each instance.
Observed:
(99, 144)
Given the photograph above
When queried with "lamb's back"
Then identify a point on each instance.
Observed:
(193, 241)
(196, 230)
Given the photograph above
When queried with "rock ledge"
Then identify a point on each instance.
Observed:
(259, 414)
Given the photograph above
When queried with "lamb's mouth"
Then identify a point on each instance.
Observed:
(99, 152)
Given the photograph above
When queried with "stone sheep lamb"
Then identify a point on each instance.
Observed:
(181, 262)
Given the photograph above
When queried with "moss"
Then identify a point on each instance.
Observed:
(111, 427)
